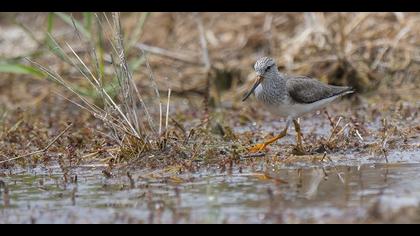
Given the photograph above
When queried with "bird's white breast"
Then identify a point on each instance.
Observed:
(258, 90)
(295, 110)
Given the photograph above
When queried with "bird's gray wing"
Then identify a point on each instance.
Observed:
(307, 90)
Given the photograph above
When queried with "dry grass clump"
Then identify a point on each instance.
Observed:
(122, 108)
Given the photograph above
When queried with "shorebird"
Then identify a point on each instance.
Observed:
(290, 97)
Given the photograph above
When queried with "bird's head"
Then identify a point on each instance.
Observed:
(266, 69)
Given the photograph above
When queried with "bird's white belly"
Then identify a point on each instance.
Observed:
(287, 108)
(295, 110)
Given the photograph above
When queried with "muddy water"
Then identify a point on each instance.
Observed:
(319, 193)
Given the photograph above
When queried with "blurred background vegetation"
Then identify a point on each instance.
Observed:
(364, 50)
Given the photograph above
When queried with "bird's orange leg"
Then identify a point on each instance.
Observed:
(261, 146)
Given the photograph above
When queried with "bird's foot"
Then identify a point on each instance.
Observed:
(257, 148)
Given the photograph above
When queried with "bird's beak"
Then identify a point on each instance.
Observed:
(257, 82)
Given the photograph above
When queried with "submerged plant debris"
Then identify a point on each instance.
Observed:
(165, 136)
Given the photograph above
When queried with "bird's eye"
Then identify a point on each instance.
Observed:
(268, 68)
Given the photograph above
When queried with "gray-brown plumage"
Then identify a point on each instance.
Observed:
(307, 90)
(290, 96)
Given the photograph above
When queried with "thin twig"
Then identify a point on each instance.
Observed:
(267, 29)
(339, 132)
(132, 182)
(167, 53)
(155, 87)
(160, 118)
(385, 139)
(42, 150)
(329, 118)
(334, 128)
(385, 152)
(394, 43)
(203, 42)
(335, 168)
(323, 157)
(167, 111)
(207, 66)
(358, 135)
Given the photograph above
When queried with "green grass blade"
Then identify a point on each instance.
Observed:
(100, 50)
(17, 68)
(87, 21)
(72, 22)
(50, 22)
(134, 37)
(135, 63)
(56, 49)
(28, 32)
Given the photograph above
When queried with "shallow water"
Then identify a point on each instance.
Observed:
(265, 194)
